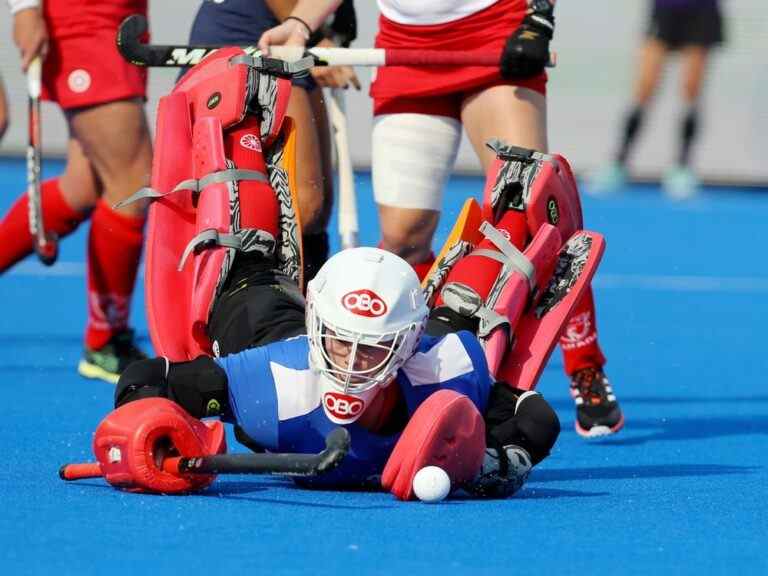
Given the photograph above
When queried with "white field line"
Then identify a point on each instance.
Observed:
(659, 283)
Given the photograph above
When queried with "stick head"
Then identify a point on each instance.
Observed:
(337, 444)
(128, 43)
(48, 251)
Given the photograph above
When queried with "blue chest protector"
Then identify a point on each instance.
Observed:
(275, 397)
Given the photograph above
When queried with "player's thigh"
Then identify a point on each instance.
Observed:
(694, 67)
(309, 166)
(116, 140)
(515, 115)
(653, 55)
(78, 183)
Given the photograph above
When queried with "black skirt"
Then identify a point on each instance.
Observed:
(677, 25)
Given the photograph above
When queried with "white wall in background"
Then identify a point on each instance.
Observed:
(596, 41)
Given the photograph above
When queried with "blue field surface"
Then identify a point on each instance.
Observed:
(682, 299)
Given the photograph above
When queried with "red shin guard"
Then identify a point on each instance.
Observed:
(58, 217)
(114, 251)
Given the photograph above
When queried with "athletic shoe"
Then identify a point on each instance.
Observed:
(597, 411)
(108, 362)
(608, 180)
(680, 183)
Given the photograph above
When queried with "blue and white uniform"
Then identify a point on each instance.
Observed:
(276, 398)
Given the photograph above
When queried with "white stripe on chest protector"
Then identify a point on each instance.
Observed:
(446, 360)
(297, 391)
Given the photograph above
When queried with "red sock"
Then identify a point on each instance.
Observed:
(114, 250)
(58, 217)
(579, 339)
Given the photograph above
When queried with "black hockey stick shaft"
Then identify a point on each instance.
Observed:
(336, 448)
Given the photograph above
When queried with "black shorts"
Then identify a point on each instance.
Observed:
(693, 23)
(258, 305)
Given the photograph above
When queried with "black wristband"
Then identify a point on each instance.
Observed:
(307, 26)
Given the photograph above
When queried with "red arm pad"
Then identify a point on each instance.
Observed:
(131, 441)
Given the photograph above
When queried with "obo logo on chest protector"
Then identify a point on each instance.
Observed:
(364, 303)
(342, 406)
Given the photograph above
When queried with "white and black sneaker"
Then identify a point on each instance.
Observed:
(597, 410)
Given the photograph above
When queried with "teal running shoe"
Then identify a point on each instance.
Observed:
(680, 183)
(610, 179)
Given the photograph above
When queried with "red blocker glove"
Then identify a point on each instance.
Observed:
(448, 431)
(131, 442)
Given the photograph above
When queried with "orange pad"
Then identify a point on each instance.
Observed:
(132, 440)
(448, 431)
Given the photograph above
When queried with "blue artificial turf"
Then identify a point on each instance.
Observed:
(682, 305)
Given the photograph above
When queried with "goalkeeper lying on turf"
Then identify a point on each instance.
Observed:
(414, 386)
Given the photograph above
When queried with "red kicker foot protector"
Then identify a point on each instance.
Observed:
(448, 431)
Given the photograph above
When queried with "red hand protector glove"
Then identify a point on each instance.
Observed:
(448, 431)
(131, 442)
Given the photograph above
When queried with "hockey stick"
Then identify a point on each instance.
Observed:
(46, 245)
(347, 200)
(157, 55)
(337, 444)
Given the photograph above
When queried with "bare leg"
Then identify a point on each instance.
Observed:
(694, 63)
(518, 116)
(115, 139)
(79, 184)
(653, 55)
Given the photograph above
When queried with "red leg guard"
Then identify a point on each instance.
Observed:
(579, 339)
(259, 207)
(58, 217)
(114, 251)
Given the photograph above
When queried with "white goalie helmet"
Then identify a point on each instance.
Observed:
(368, 303)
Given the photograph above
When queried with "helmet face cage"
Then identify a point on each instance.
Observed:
(398, 346)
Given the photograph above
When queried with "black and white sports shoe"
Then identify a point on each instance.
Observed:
(501, 477)
(597, 410)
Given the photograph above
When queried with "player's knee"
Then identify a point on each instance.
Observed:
(413, 155)
(142, 379)
(523, 418)
(198, 386)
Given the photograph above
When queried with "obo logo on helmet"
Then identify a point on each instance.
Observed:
(364, 303)
(342, 406)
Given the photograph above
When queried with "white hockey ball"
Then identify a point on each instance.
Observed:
(431, 484)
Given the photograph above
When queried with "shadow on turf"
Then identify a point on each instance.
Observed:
(699, 428)
(630, 472)
(567, 403)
